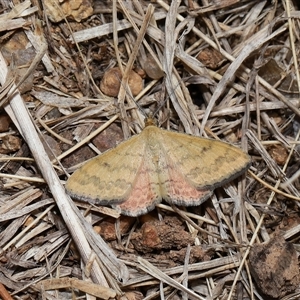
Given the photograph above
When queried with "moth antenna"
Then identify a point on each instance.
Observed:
(166, 99)
(149, 117)
(128, 92)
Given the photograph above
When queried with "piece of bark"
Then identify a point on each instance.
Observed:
(9, 143)
(107, 228)
(274, 267)
(161, 235)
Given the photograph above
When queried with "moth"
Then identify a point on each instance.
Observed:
(157, 164)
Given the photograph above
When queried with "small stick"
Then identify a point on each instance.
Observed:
(4, 293)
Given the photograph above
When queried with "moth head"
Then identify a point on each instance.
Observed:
(149, 120)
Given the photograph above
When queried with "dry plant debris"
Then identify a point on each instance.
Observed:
(226, 70)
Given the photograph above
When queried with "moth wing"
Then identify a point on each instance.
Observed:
(205, 163)
(177, 189)
(108, 178)
(145, 192)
